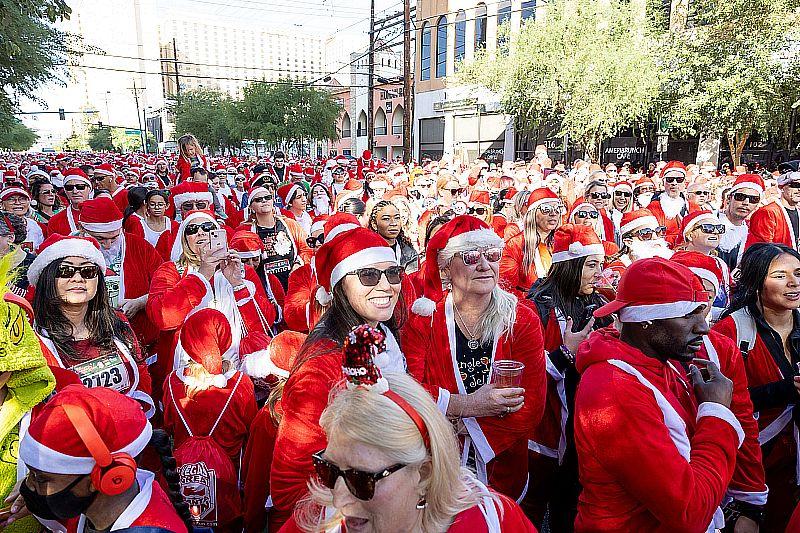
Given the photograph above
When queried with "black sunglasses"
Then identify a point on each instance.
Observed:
(623, 194)
(793, 184)
(79, 186)
(477, 211)
(262, 199)
(599, 196)
(314, 241)
(711, 229)
(647, 234)
(188, 206)
(86, 271)
(360, 484)
(192, 229)
(369, 277)
(456, 191)
(675, 179)
(741, 197)
(587, 214)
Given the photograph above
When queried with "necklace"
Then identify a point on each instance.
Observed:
(472, 342)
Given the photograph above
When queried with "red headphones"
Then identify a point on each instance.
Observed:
(114, 473)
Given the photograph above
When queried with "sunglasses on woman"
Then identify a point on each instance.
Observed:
(192, 229)
(78, 186)
(361, 484)
(741, 197)
(86, 271)
(456, 192)
(711, 229)
(471, 257)
(587, 214)
(647, 234)
(189, 206)
(552, 209)
(262, 199)
(599, 196)
(622, 194)
(675, 179)
(477, 211)
(315, 241)
(370, 277)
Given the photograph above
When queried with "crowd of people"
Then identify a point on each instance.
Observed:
(211, 343)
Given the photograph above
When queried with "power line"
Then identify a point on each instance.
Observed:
(271, 11)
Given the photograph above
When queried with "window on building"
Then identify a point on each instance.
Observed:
(461, 35)
(480, 26)
(425, 53)
(441, 47)
(503, 16)
(528, 10)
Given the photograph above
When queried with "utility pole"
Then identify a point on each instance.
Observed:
(371, 79)
(407, 85)
(175, 57)
(139, 117)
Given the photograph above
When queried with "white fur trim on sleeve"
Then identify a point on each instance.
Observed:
(443, 402)
(720, 411)
(259, 365)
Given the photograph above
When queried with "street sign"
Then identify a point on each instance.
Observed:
(662, 142)
(133, 132)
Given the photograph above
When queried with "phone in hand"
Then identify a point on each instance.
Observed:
(219, 240)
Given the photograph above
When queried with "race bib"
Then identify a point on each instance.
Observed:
(273, 267)
(106, 371)
(112, 285)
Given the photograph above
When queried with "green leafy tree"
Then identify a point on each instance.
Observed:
(207, 114)
(588, 66)
(732, 69)
(100, 139)
(125, 142)
(78, 140)
(18, 137)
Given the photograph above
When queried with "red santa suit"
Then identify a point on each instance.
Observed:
(770, 223)
(120, 197)
(65, 222)
(255, 468)
(670, 212)
(500, 444)
(513, 275)
(299, 310)
(184, 166)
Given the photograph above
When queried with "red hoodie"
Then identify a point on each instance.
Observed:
(634, 437)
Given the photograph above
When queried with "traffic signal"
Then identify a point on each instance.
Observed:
(61, 115)
(100, 125)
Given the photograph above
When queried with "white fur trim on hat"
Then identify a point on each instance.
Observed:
(61, 249)
(81, 179)
(623, 186)
(423, 306)
(178, 199)
(322, 296)
(256, 192)
(578, 250)
(747, 185)
(293, 190)
(649, 221)
(339, 229)
(362, 258)
(707, 275)
(102, 227)
(103, 172)
(318, 225)
(11, 191)
(642, 313)
(543, 201)
(710, 217)
(177, 245)
(250, 254)
(36, 455)
(259, 365)
(476, 237)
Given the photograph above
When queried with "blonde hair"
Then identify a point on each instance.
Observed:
(186, 140)
(521, 204)
(188, 257)
(531, 237)
(374, 420)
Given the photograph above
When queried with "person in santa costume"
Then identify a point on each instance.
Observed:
(621, 203)
(284, 240)
(586, 214)
(321, 199)
(17, 201)
(77, 189)
(641, 237)
(452, 342)
(643, 192)
(597, 194)
(81, 452)
(191, 156)
(105, 180)
(747, 493)
(415, 484)
(364, 164)
(778, 221)
(185, 197)
(131, 263)
(526, 257)
(763, 320)
(249, 248)
(637, 420)
(293, 197)
(162, 172)
(78, 328)
(360, 281)
(154, 223)
(564, 301)
(671, 206)
(741, 201)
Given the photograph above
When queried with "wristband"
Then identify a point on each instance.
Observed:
(567, 353)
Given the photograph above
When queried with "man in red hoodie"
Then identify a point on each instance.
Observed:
(638, 423)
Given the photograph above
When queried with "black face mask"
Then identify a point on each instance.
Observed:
(62, 505)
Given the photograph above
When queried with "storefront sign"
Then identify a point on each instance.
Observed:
(623, 149)
(450, 105)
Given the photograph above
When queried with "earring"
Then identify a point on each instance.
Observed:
(646, 324)
(422, 503)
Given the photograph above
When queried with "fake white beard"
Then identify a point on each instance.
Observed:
(321, 206)
(671, 206)
(113, 252)
(644, 199)
(650, 249)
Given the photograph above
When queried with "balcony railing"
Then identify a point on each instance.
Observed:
(397, 130)
(361, 132)
(380, 131)
(346, 133)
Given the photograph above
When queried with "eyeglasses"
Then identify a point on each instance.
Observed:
(711, 229)
(369, 277)
(599, 196)
(161, 205)
(188, 206)
(675, 179)
(477, 211)
(622, 194)
(192, 229)
(86, 271)
(552, 209)
(78, 186)
(646, 234)
(17, 199)
(587, 214)
(471, 257)
(455, 192)
(360, 484)
(741, 197)
(47, 191)
(262, 199)
(316, 241)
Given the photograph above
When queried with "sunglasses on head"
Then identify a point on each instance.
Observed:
(370, 277)
(361, 484)
(552, 209)
(477, 211)
(192, 229)
(86, 271)
(646, 234)
(599, 196)
(711, 229)
(741, 197)
(471, 257)
(587, 214)
(622, 194)
(675, 179)
(262, 199)
(78, 186)
(315, 241)
(188, 206)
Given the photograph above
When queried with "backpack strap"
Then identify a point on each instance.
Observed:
(745, 330)
(227, 403)
(178, 409)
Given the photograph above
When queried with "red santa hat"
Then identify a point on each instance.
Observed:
(540, 196)
(748, 181)
(572, 241)
(257, 192)
(190, 191)
(57, 247)
(52, 443)
(338, 223)
(579, 204)
(655, 289)
(319, 223)
(697, 217)
(295, 170)
(624, 186)
(76, 174)
(262, 357)
(247, 244)
(366, 155)
(205, 339)
(100, 215)
(105, 170)
(341, 161)
(638, 218)
(194, 217)
(309, 173)
(464, 232)
(644, 180)
(704, 266)
(7, 193)
(345, 253)
(674, 168)
(288, 193)
(479, 197)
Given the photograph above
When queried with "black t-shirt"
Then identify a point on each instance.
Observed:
(474, 365)
(280, 253)
(795, 220)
